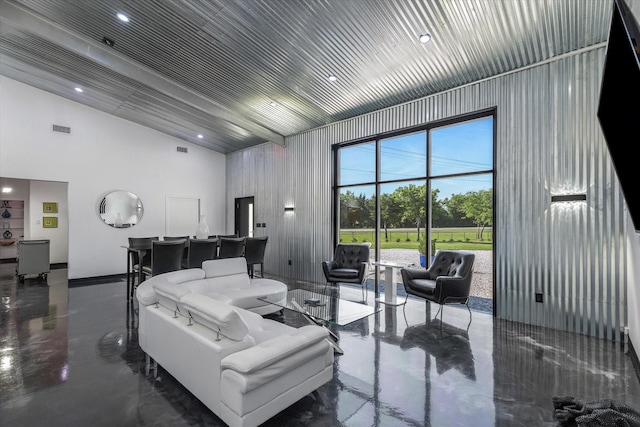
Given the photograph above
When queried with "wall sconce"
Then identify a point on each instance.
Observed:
(569, 198)
(289, 208)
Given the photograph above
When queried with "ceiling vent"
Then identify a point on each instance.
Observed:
(62, 129)
(182, 149)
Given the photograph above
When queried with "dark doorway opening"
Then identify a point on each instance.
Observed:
(244, 216)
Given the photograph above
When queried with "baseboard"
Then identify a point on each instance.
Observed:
(634, 358)
(97, 280)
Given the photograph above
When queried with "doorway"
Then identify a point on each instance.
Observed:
(244, 216)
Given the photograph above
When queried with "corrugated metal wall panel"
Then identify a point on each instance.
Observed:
(548, 142)
(538, 344)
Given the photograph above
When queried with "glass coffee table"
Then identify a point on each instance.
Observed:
(320, 309)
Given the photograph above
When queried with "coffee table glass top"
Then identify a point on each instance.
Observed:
(323, 307)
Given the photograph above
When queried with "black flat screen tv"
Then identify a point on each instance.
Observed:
(619, 105)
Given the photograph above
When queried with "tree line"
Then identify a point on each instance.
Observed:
(406, 208)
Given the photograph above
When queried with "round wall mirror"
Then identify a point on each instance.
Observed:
(121, 209)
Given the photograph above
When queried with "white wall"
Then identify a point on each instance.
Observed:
(49, 191)
(103, 153)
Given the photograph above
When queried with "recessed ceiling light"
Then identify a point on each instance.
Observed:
(122, 17)
(79, 89)
(273, 103)
(425, 38)
(200, 136)
(332, 78)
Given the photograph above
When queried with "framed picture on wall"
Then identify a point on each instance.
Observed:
(50, 207)
(50, 222)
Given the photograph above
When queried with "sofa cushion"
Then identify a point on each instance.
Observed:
(273, 350)
(424, 286)
(199, 286)
(180, 276)
(224, 267)
(168, 295)
(168, 290)
(344, 273)
(226, 273)
(215, 315)
(247, 296)
(261, 330)
(145, 292)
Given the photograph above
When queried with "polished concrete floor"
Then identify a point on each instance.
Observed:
(69, 357)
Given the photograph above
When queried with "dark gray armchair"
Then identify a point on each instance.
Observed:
(446, 281)
(350, 264)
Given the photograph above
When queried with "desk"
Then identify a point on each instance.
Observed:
(390, 287)
(141, 251)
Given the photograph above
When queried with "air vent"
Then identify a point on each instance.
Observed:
(182, 149)
(62, 129)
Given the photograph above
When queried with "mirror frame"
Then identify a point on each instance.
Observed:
(120, 209)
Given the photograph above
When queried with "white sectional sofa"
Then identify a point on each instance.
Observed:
(204, 327)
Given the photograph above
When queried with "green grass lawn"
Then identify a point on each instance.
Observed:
(454, 238)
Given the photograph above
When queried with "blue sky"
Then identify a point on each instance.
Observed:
(459, 148)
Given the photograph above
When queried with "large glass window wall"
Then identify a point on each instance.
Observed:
(414, 193)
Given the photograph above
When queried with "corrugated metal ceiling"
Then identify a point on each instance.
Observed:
(185, 67)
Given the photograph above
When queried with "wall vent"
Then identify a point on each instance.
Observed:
(62, 129)
(182, 149)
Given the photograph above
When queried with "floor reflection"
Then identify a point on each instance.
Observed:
(33, 334)
(448, 344)
(71, 357)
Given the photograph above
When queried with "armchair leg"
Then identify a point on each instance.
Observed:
(442, 314)
(332, 285)
(439, 309)
(365, 294)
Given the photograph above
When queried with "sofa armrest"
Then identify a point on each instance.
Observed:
(415, 273)
(452, 286)
(271, 351)
(256, 366)
(327, 266)
(364, 268)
